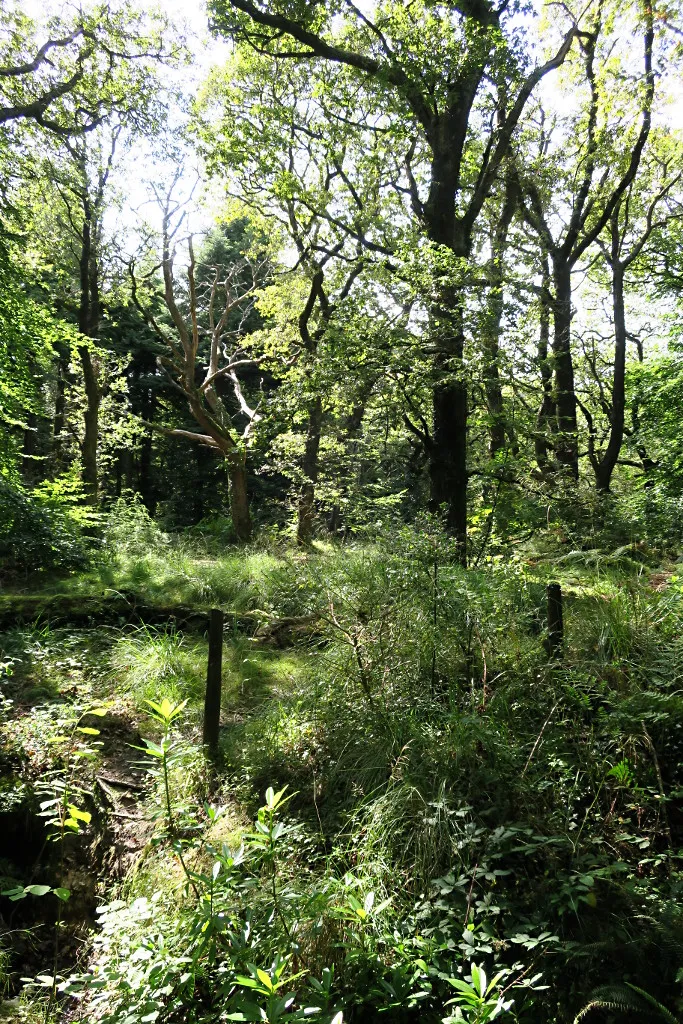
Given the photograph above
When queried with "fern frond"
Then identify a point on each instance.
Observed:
(620, 999)
(662, 1010)
(600, 1004)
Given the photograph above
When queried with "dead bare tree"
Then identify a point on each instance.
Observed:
(203, 355)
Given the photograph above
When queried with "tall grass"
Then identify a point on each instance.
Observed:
(432, 736)
(146, 662)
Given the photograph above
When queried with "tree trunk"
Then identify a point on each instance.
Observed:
(88, 324)
(605, 467)
(310, 470)
(60, 406)
(239, 499)
(567, 447)
(214, 679)
(547, 412)
(91, 418)
(448, 448)
(448, 451)
(124, 471)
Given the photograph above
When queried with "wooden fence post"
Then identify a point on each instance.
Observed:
(214, 671)
(555, 621)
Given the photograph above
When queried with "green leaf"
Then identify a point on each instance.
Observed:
(18, 893)
(62, 894)
(88, 731)
(241, 979)
(264, 979)
(80, 815)
(166, 709)
(462, 986)
(38, 890)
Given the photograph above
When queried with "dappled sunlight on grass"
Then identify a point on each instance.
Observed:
(252, 675)
(174, 575)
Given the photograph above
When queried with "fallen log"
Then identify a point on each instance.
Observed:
(288, 631)
(111, 610)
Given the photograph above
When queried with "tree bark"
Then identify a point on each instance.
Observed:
(239, 499)
(605, 467)
(306, 516)
(88, 324)
(214, 679)
(124, 471)
(91, 417)
(546, 417)
(567, 444)
(448, 450)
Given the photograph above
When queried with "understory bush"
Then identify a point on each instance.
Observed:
(266, 931)
(44, 528)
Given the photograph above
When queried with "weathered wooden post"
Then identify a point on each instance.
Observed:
(555, 620)
(214, 671)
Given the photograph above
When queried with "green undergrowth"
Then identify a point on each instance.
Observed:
(454, 802)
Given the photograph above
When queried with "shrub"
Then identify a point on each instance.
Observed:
(46, 528)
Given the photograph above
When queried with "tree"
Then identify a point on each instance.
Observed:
(630, 228)
(69, 82)
(432, 104)
(83, 189)
(596, 192)
(199, 359)
(295, 180)
(77, 165)
(29, 333)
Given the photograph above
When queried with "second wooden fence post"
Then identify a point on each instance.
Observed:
(214, 672)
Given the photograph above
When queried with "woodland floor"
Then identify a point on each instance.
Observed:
(113, 638)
